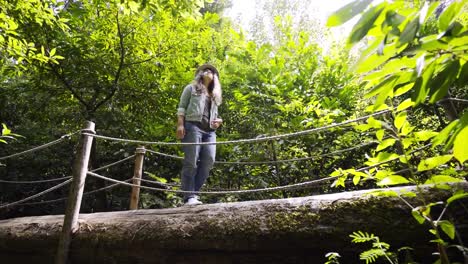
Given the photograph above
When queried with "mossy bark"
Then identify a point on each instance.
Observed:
(295, 230)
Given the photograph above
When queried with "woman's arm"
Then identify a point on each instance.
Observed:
(180, 133)
(183, 103)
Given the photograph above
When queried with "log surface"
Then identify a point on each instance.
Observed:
(294, 230)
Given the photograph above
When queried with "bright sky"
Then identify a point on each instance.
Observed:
(245, 11)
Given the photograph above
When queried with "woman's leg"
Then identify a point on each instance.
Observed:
(207, 159)
(191, 155)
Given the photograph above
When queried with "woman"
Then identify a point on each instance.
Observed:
(197, 121)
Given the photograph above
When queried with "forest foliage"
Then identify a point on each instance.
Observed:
(123, 65)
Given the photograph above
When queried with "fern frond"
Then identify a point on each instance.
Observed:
(361, 237)
(371, 255)
(381, 245)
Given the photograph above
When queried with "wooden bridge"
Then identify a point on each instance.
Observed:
(295, 230)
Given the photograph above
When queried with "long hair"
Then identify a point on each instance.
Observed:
(213, 88)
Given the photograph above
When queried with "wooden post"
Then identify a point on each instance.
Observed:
(80, 168)
(137, 173)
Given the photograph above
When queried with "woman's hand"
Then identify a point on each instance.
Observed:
(216, 123)
(180, 133)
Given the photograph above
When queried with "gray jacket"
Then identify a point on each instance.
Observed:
(192, 104)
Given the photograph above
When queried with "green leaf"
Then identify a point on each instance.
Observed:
(379, 134)
(432, 43)
(381, 174)
(385, 144)
(460, 145)
(356, 179)
(417, 215)
(444, 134)
(424, 135)
(442, 179)
(385, 156)
(448, 228)
(400, 120)
(365, 23)
(457, 196)
(404, 89)
(383, 87)
(463, 76)
(449, 15)
(393, 180)
(433, 162)
(374, 123)
(347, 12)
(444, 79)
(362, 127)
(5, 130)
(420, 86)
(409, 32)
(407, 142)
(374, 60)
(405, 104)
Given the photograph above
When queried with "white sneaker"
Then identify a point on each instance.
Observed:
(193, 201)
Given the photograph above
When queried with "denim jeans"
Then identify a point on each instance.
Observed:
(198, 159)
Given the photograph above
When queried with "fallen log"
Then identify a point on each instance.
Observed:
(295, 230)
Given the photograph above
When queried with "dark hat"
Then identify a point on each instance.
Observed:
(207, 66)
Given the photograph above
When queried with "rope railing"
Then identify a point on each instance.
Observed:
(117, 182)
(67, 177)
(60, 185)
(277, 188)
(35, 182)
(62, 138)
(274, 161)
(455, 100)
(84, 194)
(37, 195)
(114, 163)
(240, 141)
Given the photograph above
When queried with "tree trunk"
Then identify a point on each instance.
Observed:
(295, 230)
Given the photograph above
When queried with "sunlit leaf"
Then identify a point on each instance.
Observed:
(417, 215)
(433, 162)
(424, 135)
(385, 156)
(374, 60)
(385, 144)
(356, 179)
(448, 228)
(420, 86)
(403, 89)
(374, 123)
(444, 134)
(449, 15)
(409, 32)
(400, 119)
(457, 196)
(383, 86)
(443, 81)
(379, 134)
(365, 23)
(393, 180)
(460, 145)
(5, 130)
(347, 12)
(405, 104)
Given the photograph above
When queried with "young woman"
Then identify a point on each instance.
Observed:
(197, 121)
